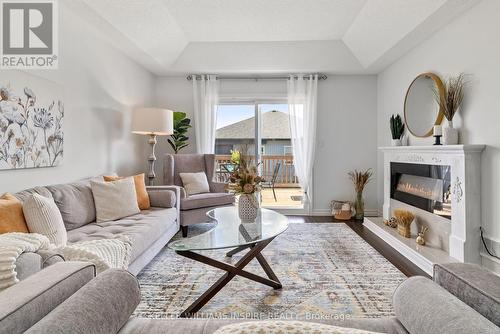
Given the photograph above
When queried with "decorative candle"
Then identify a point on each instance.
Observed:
(438, 130)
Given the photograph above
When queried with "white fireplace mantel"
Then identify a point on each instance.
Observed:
(465, 161)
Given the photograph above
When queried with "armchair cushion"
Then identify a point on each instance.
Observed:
(206, 200)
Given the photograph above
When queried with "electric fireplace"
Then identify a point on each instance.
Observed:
(427, 187)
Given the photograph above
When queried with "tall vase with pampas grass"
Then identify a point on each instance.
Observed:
(360, 180)
(454, 89)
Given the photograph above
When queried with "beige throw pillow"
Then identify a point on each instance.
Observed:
(114, 200)
(43, 216)
(195, 183)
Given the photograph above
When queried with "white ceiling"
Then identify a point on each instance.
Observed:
(264, 20)
(240, 36)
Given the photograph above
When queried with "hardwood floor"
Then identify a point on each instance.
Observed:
(393, 256)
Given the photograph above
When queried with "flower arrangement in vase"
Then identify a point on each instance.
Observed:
(397, 130)
(360, 179)
(245, 182)
(454, 89)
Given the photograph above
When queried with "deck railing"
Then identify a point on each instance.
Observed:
(286, 176)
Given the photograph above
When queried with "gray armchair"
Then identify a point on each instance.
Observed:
(194, 207)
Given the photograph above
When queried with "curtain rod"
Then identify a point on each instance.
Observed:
(190, 77)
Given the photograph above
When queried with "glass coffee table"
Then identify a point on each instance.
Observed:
(233, 233)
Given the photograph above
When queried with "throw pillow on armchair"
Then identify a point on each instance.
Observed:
(195, 183)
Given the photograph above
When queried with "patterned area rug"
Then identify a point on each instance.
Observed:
(326, 270)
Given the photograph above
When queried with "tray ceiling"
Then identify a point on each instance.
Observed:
(358, 36)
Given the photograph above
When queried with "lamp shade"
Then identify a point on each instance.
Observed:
(149, 121)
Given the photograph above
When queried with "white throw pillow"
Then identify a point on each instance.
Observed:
(115, 199)
(195, 183)
(43, 216)
(286, 327)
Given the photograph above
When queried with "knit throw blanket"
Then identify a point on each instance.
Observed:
(104, 254)
(11, 246)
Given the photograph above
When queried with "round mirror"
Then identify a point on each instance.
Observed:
(422, 111)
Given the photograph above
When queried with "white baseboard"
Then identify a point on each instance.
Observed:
(327, 212)
(490, 262)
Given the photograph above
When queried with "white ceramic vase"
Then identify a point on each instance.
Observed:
(248, 207)
(396, 142)
(450, 134)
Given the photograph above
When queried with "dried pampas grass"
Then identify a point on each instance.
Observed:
(360, 179)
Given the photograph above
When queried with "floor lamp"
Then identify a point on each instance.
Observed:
(152, 122)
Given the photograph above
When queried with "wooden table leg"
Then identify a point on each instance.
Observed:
(237, 250)
(232, 271)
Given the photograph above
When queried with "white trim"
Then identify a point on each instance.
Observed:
(328, 212)
(443, 149)
(414, 253)
(489, 257)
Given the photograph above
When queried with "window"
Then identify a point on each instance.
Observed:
(264, 128)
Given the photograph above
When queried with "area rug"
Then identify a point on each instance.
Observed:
(326, 269)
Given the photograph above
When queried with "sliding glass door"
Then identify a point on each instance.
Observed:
(263, 129)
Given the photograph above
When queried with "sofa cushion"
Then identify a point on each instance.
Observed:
(76, 203)
(102, 306)
(424, 307)
(206, 200)
(143, 229)
(25, 194)
(475, 286)
(25, 303)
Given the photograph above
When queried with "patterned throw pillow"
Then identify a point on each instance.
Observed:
(43, 217)
(285, 327)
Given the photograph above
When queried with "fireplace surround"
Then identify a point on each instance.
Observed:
(442, 186)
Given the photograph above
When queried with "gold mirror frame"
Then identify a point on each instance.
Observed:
(440, 115)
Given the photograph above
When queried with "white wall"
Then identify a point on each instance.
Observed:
(346, 137)
(101, 86)
(468, 44)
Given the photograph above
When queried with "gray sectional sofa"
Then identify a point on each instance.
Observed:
(149, 231)
(66, 297)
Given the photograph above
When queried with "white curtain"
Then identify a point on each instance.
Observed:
(206, 98)
(302, 97)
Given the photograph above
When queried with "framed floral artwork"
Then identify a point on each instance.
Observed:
(31, 121)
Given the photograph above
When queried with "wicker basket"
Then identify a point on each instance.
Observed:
(404, 230)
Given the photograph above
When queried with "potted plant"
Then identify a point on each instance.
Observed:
(454, 89)
(397, 130)
(245, 181)
(179, 139)
(360, 179)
